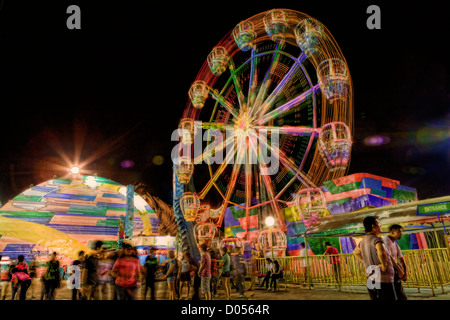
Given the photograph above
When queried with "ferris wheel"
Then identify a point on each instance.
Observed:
(272, 109)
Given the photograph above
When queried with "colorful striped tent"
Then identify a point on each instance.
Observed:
(81, 211)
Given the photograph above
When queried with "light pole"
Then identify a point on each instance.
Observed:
(270, 221)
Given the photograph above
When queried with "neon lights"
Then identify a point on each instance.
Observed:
(198, 93)
(190, 204)
(333, 79)
(244, 35)
(184, 168)
(311, 205)
(218, 60)
(276, 24)
(308, 32)
(335, 143)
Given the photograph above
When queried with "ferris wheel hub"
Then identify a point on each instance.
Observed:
(243, 124)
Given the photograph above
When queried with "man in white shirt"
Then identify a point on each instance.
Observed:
(393, 251)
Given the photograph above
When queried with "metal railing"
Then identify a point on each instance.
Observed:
(426, 268)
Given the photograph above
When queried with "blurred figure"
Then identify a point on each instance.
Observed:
(172, 274)
(33, 267)
(194, 268)
(10, 273)
(238, 273)
(105, 286)
(150, 267)
(76, 293)
(51, 278)
(204, 271)
(5, 278)
(253, 271)
(305, 263)
(334, 261)
(226, 263)
(185, 275)
(89, 273)
(20, 279)
(126, 270)
(214, 264)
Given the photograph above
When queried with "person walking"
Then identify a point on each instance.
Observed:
(172, 274)
(32, 272)
(214, 264)
(238, 273)
(89, 273)
(20, 278)
(226, 262)
(395, 254)
(5, 277)
(305, 263)
(150, 266)
(334, 261)
(194, 268)
(105, 280)
(76, 293)
(52, 278)
(204, 271)
(184, 275)
(372, 254)
(253, 272)
(126, 270)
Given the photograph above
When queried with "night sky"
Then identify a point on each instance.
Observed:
(116, 89)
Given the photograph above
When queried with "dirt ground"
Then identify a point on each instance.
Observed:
(290, 292)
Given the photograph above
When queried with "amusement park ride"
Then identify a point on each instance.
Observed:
(287, 92)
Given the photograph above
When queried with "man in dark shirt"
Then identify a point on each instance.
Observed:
(150, 266)
(89, 275)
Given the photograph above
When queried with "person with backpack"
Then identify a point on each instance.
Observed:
(51, 278)
(20, 279)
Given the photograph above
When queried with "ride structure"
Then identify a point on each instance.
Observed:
(274, 103)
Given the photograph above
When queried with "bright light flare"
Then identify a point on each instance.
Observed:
(270, 221)
(75, 170)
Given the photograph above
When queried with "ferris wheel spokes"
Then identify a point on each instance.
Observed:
(234, 175)
(267, 78)
(291, 130)
(226, 104)
(219, 171)
(287, 106)
(271, 99)
(237, 86)
(286, 161)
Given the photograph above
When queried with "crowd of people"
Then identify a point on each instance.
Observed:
(117, 274)
(107, 274)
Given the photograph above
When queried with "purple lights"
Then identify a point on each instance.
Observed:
(127, 164)
(376, 140)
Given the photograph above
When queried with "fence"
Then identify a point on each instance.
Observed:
(426, 268)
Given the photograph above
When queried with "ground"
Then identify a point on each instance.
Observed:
(291, 292)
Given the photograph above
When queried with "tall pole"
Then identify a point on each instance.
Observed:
(271, 241)
(307, 263)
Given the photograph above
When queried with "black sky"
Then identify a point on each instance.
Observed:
(124, 78)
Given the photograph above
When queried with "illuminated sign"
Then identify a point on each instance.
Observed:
(433, 208)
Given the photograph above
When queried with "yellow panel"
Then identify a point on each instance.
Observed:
(45, 236)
